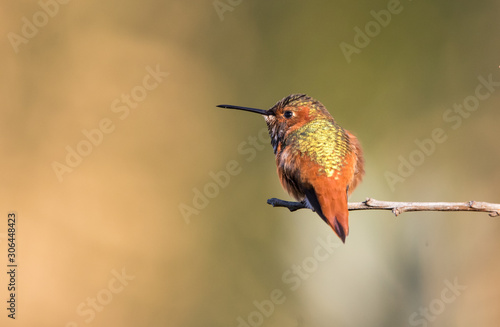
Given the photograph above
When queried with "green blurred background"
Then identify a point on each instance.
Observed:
(118, 211)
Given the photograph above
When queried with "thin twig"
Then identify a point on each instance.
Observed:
(398, 208)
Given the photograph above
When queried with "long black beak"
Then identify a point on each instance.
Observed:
(258, 111)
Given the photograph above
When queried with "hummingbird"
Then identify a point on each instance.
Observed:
(319, 163)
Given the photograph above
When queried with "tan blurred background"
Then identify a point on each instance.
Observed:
(108, 241)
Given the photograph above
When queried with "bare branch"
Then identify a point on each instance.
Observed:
(398, 208)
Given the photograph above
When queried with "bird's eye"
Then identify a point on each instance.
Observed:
(288, 114)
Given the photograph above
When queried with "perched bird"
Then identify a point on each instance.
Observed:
(319, 163)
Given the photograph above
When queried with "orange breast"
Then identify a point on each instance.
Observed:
(325, 190)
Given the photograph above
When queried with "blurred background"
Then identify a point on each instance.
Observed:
(140, 203)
